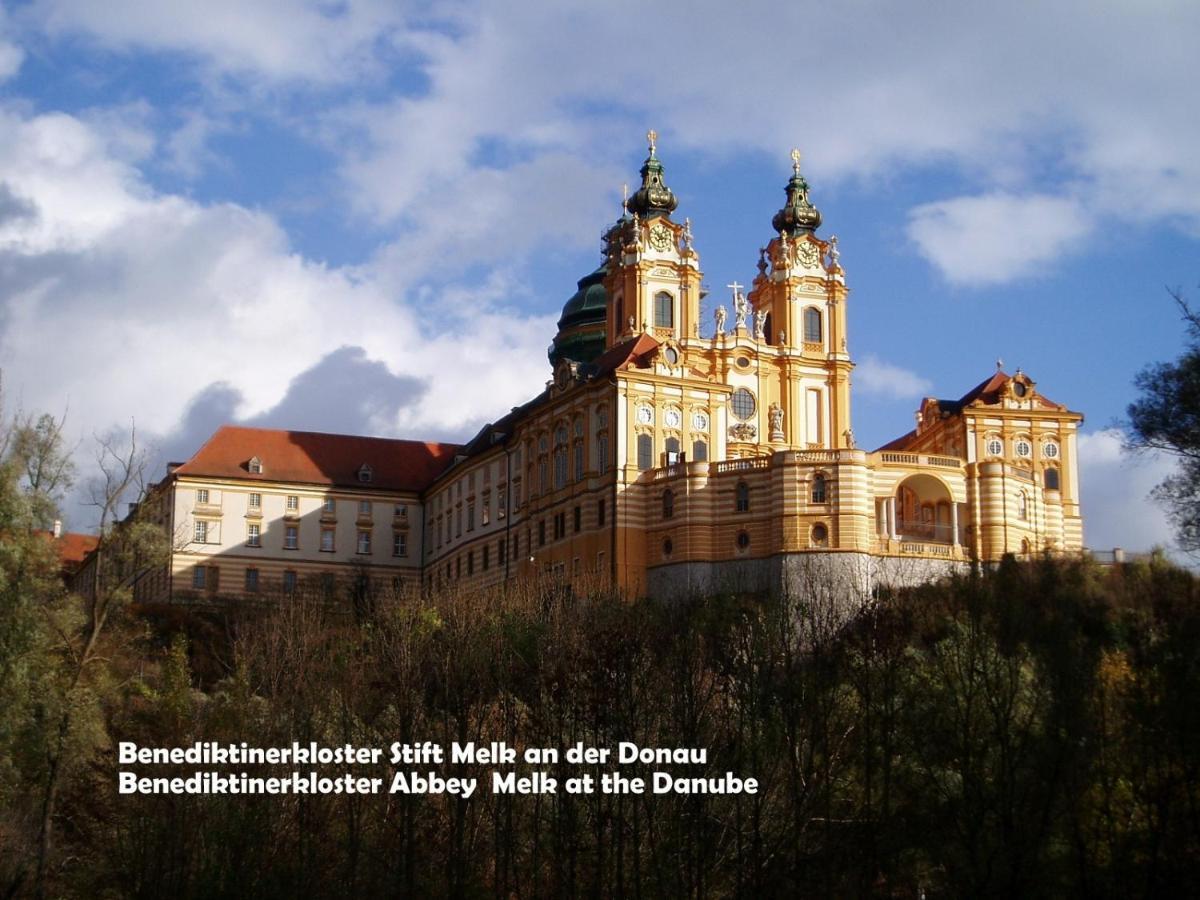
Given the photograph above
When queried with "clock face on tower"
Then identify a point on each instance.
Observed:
(807, 254)
(645, 415)
(700, 422)
(660, 237)
(672, 418)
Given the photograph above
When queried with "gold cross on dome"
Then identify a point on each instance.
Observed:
(652, 139)
(795, 160)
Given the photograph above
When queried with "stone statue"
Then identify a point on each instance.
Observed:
(631, 323)
(834, 255)
(848, 434)
(775, 416)
(720, 315)
(782, 338)
(760, 325)
(687, 234)
(740, 307)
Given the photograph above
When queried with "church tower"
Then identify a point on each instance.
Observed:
(799, 302)
(653, 273)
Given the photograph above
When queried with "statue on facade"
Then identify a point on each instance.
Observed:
(775, 417)
(740, 307)
(720, 315)
(760, 325)
(834, 256)
(848, 434)
(782, 338)
(687, 234)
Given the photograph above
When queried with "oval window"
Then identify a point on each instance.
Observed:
(743, 404)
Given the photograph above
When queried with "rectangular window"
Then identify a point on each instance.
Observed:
(401, 510)
(199, 578)
(542, 533)
(602, 453)
(364, 542)
(600, 513)
(399, 544)
(578, 519)
(579, 461)
(256, 501)
(501, 550)
(200, 533)
(291, 537)
(327, 540)
(252, 581)
(458, 517)
(253, 535)
(486, 556)
(202, 495)
(289, 581)
(645, 452)
(485, 513)
(293, 503)
(328, 506)
(470, 517)
(364, 508)
(470, 562)
(502, 502)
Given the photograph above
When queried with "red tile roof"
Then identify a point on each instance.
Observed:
(307, 457)
(633, 352)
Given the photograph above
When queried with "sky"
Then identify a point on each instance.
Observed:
(364, 216)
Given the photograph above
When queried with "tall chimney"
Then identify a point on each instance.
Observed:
(58, 528)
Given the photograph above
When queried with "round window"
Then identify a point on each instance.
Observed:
(671, 355)
(743, 540)
(820, 535)
(742, 404)
(1050, 450)
(743, 362)
(1024, 448)
(1019, 388)
(994, 447)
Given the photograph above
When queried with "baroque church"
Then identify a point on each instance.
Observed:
(656, 460)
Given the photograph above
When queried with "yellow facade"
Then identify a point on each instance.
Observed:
(671, 454)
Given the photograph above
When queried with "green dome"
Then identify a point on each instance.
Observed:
(588, 304)
(583, 324)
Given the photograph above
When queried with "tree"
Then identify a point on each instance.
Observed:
(1166, 417)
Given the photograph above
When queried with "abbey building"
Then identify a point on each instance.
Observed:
(666, 453)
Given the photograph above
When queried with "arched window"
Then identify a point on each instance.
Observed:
(767, 328)
(699, 451)
(1050, 479)
(664, 316)
(672, 446)
(818, 488)
(645, 451)
(742, 503)
(1023, 505)
(668, 503)
(560, 457)
(812, 324)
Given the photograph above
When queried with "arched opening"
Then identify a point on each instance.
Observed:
(812, 324)
(645, 452)
(925, 510)
(663, 313)
(668, 501)
(818, 488)
(742, 503)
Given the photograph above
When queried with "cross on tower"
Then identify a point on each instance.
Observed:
(795, 160)
(736, 288)
(652, 139)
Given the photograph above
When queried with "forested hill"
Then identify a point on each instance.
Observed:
(1027, 732)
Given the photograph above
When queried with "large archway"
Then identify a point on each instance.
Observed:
(925, 510)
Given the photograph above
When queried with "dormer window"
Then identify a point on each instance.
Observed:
(255, 466)
(365, 474)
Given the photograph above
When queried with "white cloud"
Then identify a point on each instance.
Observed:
(309, 40)
(1115, 494)
(873, 376)
(130, 303)
(997, 237)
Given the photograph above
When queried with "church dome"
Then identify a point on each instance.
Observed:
(582, 327)
(798, 215)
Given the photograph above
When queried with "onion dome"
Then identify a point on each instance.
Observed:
(583, 325)
(653, 197)
(798, 215)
